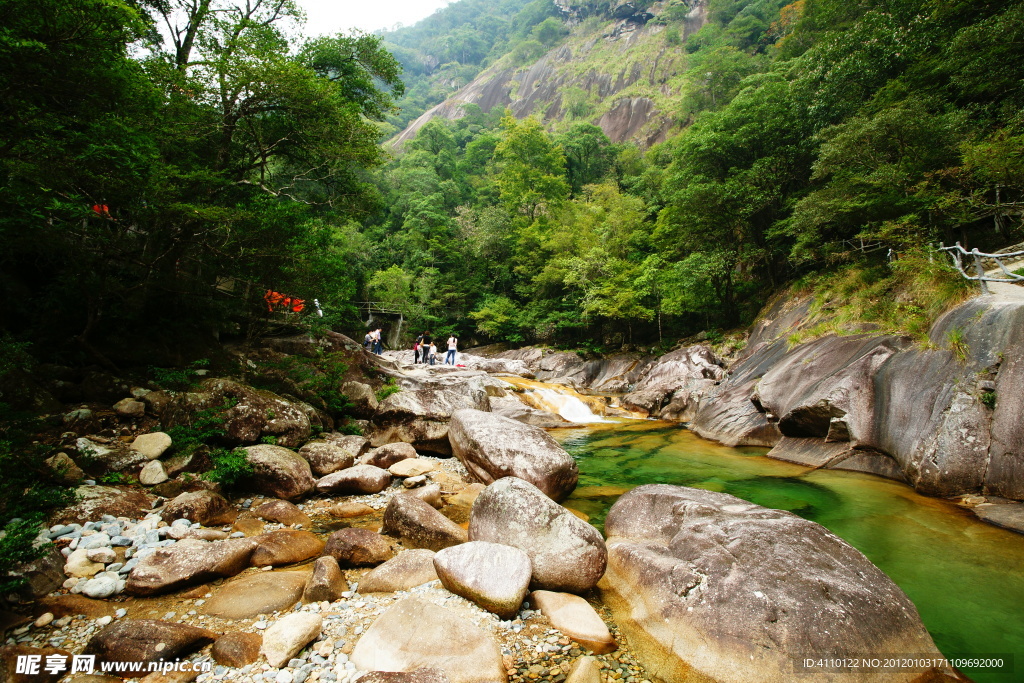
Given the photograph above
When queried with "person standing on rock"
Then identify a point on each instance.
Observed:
(416, 350)
(433, 352)
(378, 347)
(453, 345)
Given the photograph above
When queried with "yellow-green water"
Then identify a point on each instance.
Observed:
(966, 577)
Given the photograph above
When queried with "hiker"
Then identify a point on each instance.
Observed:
(379, 344)
(417, 347)
(368, 341)
(453, 344)
(433, 352)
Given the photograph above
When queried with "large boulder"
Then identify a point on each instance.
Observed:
(152, 445)
(706, 585)
(187, 563)
(406, 570)
(326, 583)
(492, 447)
(356, 480)
(206, 507)
(419, 525)
(573, 616)
(92, 502)
(279, 472)
(363, 399)
(387, 455)
(147, 640)
(567, 553)
(495, 577)
(420, 416)
(414, 634)
(354, 547)
(260, 593)
(237, 649)
(112, 457)
(282, 512)
(679, 369)
(285, 546)
(325, 457)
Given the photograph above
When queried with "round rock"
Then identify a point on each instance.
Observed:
(419, 525)
(361, 479)
(495, 577)
(358, 548)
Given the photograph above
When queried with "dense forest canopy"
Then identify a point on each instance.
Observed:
(164, 162)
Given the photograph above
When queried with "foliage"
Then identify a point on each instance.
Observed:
(389, 388)
(18, 546)
(179, 379)
(959, 347)
(230, 467)
(205, 427)
(988, 399)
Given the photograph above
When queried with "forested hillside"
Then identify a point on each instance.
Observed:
(158, 182)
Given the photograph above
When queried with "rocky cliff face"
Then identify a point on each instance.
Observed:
(621, 76)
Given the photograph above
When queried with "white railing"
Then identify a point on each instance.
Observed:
(958, 253)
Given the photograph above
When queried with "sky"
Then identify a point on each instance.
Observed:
(332, 16)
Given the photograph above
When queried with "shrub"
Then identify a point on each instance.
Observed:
(230, 468)
(388, 389)
(179, 379)
(988, 399)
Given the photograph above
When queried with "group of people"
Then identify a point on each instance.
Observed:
(424, 350)
(373, 342)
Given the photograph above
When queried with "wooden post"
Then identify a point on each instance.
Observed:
(981, 271)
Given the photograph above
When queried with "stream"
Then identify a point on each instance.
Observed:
(966, 577)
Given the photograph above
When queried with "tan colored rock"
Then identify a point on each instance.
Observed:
(422, 675)
(187, 563)
(65, 468)
(288, 635)
(357, 480)
(130, 408)
(412, 467)
(387, 455)
(9, 655)
(356, 445)
(574, 616)
(279, 472)
(467, 496)
(325, 457)
(283, 512)
(358, 548)
(495, 577)
(152, 473)
(327, 583)
(414, 634)
(72, 604)
(285, 546)
(237, 649)
(206, 507)
(152, 445)
(146, 640)
(429, 494)
(584, 670)
(261, 593)
(419, 525)
(406, 570)
(249, 526)
(80, 565)
(348, 510)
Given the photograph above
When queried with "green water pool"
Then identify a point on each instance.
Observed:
(966, 577)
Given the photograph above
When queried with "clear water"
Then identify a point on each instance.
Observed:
(966, 577)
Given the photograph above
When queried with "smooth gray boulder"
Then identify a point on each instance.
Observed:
(355, 480)
(187, 563)
(708, 586)
(406, 570)
(419, 525)
(279, 472)
(495, 577)
(421, 416)
(325, 457)
(567, 554)
(492, 447)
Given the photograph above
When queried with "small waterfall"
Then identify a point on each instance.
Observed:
(560, 400)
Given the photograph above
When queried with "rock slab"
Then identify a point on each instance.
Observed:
(419, 525)
(495, 577)
(288, 635)
(573, 616)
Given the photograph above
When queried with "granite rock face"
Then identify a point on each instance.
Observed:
(708, 586)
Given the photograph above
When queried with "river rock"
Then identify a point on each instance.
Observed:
(279, 472)
(65, 468)
(467, 496)
(360, 479)
(9, 662)
(283, 512)
(187, 563)
(103, 585)
(421, 675)
(152, 473)
(413, 467)
(387, 455)
(147, 640)
(261, 593)
(206, 507)
(414, 634)
(113, 457)
(364, 400)
(325, 457)
(573, 616)
(152, 445)
(180, 531)
(130, 408)
(95, 501)
(706, 584)
(327, 583)
(567, 553)
(495, 577)
(237, 649)
(584, 670)
(688, 367)
(419, 525)
(349, 510)
(288, 635)
(80, 565)
(354, 444)
(429, 494)
(406, 570)
(421, 416)
(286, 546)
(492, 447)
(354, 547)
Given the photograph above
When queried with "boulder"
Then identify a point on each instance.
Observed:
(237, 649)
(354, 547)
(80, 565)
(421, 416)
(584, 670)
(573, 616)
(9, 663)
(279, 472)
(260, 593)
(495, 577)
(429, 494)
(327, 583)
(325, 457)
(567, 553)
(421, 675)
(95, 501)
(354, 444)
(113, 457)
(514, 409)
(492, 447)
(412, 467)
(467, 496)
(662, 378)
(362, 396)
(387, 455)
(282, 512)
(285, 546)
(206, 507)
(414, 634)
(151, 445)
(187, 563)
(70, 604)
(180, 531)
(42, 575)
(349, 510)
(152, 473)
(360, 479)
(288, 635)
(707, 585)
(65, 468)
(103, 585)
(147, 640)
(130, 408)
(406, 570)
(419, 525)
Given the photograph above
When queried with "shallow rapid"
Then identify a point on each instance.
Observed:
(965, 576)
